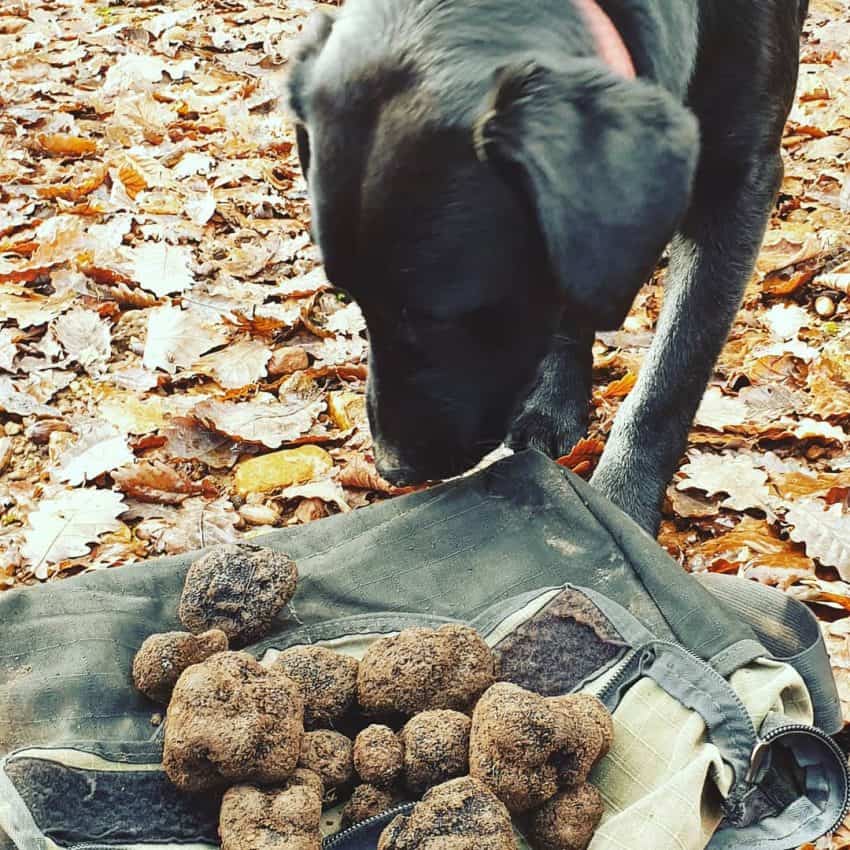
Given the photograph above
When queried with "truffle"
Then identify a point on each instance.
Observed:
(424, 669)
(460, 815)
(270, 819)
(329, 755)
(378, 755)
(366, 802)
(328, 682)
(162, 658)
(436, 748)
(567, 821)
(517, 744)
(238, 589)
(232, 720)
(593, 734)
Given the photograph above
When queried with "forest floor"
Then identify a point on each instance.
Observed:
(175, 369)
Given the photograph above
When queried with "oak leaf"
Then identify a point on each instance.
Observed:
(64, 527)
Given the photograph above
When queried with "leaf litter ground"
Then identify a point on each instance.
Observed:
(176, 370)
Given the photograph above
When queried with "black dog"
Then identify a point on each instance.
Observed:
(492, 187)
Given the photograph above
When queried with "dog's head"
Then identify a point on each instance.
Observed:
(468, 223)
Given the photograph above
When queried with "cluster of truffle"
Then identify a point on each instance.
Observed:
(438, 724)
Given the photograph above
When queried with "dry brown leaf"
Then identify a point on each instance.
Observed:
(99, 448)
(238, 365)
(63, 144)
(825, 532)
(156, 482)
(584, 456)
(64, 527)
(162, 268)
(195, 525)
(734, 475)
(269, 423)
(619, 388)
(75, 191)
(186, 440)
(177, 338)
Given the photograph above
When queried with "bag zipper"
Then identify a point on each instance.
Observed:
(762, 749)
(333, 842)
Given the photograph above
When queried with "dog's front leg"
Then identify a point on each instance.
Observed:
(711, 262)
(554, 416)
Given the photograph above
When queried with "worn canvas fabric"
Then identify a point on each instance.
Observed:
(721, 691)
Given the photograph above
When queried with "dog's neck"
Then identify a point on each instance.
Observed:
(609, 43)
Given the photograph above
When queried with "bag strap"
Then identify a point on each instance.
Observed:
(790, 632)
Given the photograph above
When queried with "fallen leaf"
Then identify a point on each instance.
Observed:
(734, 475)
(99, 448)
(177, 338)
(85, 337)
(195, 525)
(64, 527)
(238, 365)
(619, 388)
(20, 403)
(329, 491)
(63, 144)
(186, 440)
(719, 411)
(162, 268)
(132, 414)
(825, 532)
(267, 423)
(155, 482)
(583, 457)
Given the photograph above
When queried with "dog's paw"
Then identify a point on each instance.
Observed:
(636, 494)
(539, 429)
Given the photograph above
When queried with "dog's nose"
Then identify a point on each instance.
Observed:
(391, 466)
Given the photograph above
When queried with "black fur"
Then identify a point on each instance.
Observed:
(491, 194)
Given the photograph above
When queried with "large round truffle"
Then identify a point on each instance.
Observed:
(366, 802)
(162, 658)
(593, 734)
(232, 720)
(436, 748)
(238, 589)
(378, 755)
(329, 755)
(517, 744)
(424, 669)
(328, 682)
(567, 821)
(460, 815)
(270, 819)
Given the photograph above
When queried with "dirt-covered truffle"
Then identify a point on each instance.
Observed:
(162, 658)
(328, 682)
(238, 589)
(270, 819)
(329, 754)
(567, 821)
(378, 755)
(424, 669)
(592, 736)
(517, 744)
(232, 720)
(460, 815)
(436, 748)
(366, 802)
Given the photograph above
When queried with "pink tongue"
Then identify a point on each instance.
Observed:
(609, 42)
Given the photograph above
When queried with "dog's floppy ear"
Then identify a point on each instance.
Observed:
(313, 38)
(608, 164)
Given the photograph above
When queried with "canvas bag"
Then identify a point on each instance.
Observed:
(721, 690)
